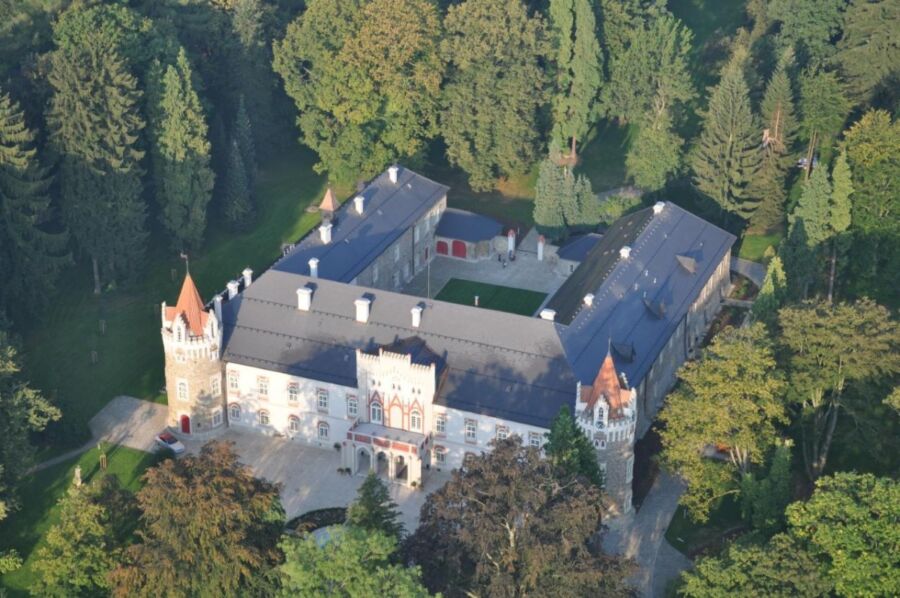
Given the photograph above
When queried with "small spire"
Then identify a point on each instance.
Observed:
(329, 202)
(190, 304)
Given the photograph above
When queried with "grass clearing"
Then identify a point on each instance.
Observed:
(692, 538)
(24, 530)
(753, 247)
(58, 346)
(602, 157)
(491, 296)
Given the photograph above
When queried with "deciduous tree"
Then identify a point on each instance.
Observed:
(495, 87)
(207, 527)
(508, 524)
(373, 510)
(809, 26)
(655, 154)
(723, 418)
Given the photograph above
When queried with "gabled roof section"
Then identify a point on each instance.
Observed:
(389, 209)
(190, 306)
(467, 226)
(329, 202)
(577, 248)
(607, 385)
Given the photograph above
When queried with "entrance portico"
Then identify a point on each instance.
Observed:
(396, 453)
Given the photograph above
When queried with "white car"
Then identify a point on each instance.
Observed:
(167, 440)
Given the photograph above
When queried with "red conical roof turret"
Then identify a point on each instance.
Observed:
(190, 306)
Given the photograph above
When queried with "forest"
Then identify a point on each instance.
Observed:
(136, 135)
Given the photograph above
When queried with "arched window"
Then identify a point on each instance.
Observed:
(234, 412)
(323, 431)
(294, 424)
(375, 413)
(415, 420)
(263, 418)
(182, 390)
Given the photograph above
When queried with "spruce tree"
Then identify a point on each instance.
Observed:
(373, 510)
(182, 157)
(823, 110)
(780, 134)
(655, 154)
(772, 294)
(95, 127)
(813, 208)
(579, 70)
(243, 135)
(548, 191)
(569, 449)
(839, 214)
(31, 256)
(588, 203)
(726, 157)
(254, 68)
(237, 205)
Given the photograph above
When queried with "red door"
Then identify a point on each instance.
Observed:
(185, 424)
(442, 248)
(459, 249)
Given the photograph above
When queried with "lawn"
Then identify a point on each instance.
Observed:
(58, 346)
(39, 493)
(491, 296)
(753, 247)
(602, 157)
(692, 538)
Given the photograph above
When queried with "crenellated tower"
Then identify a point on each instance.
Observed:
(192, 342)
(607, 412)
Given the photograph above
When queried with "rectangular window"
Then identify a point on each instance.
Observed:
(264, 418)
(440, 455)
(629, 470)
(293, 392)
(416, 234)
(182, 390)
(215, 386)
(322, 399)
(352, 406)
(233, 381)
(471, 431)
(262, 386)
(217, 418)
(396, 253)
(374, 273)
(502, 432)
(440, 424)
(534, 439)
(234, 412)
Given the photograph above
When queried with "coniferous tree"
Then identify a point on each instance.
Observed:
(569, 449)
(809, 27)
(813, 208)
(548, 205)
(619, 18)
(726, 157)
(254, 69)
(655, 154)
(32, 257)
(763, 499)
(373, 510)
(182, 156)
(823, 110)
(495, 86)
(579, 70)
(868, 53)
(772, 293)
(243, 135)
(839, 213)
(95, 127)
(236, 201)
(779, 135)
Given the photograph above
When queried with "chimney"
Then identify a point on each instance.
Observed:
(548, 314)
(511, 240)
(325, 232)
(304, 298)
(359, 203)
(658, 207)
(416, 316)
(248, 277)
(393, 171)
(541, 242)
(314, 267)
(625, 252)
(232, 287)
(362, 309)
(589, 300)
(217, 306)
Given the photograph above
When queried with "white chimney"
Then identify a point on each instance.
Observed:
(304, 298)
(511, 240)
(314, 267)
(658, 207)
(541, 242)
(625, 252)
(416, 316)
(589, 299)
(217, 306)
(359, 203)
(325, 232)
(362, 309)
(393, 171)
(548, 314)
(232, 287)
(248, 277)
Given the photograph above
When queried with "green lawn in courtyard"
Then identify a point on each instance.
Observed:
(58, 346)
(691, 538)
(24, 529)
(491, 296)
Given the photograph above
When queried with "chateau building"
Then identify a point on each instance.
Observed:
(323, 349)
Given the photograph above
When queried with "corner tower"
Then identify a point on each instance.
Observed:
(192, 341)
(607, 411)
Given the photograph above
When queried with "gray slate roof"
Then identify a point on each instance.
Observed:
(467, 226)
(356, 240)
(504, 365)
(577, 248)
(497, 364)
